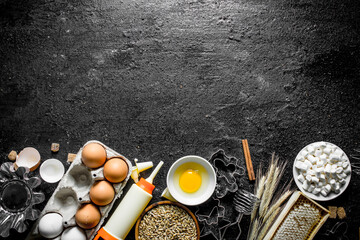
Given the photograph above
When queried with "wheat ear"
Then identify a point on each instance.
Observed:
(258, 194)
(271, 180)
(277, 204)
(253, 230)
(267, 225)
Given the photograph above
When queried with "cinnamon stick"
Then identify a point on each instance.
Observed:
(249, 165)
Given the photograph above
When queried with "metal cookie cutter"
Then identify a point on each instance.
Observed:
(226, 168)
(219, 215)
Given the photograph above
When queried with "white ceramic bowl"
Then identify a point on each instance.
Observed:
(320, 197)
(208, 181)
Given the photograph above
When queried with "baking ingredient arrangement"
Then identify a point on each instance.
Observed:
(84, 206)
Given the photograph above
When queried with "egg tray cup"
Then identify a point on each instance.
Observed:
(301, 222)
(73, 191)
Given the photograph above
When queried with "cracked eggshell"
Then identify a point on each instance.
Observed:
(29, 157)
(52, 170)
(73, 191)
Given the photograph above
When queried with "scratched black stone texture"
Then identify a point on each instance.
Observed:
(158, 80)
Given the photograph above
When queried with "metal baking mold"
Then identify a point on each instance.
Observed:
(226, 168)
(73, 190)
(235, 225)
(14, 214)
(218, 215)
(210, 217)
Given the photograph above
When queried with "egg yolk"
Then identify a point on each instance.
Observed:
(190, 181)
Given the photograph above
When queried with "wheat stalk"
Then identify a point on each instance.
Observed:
(271, 180)
(258, 193)
(271, 199)
(254, 228)
(277, 204)
(267, 225)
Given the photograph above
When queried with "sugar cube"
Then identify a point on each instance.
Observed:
(324, 193)
(320, 163)
(332, 183)
(339, 170)
(55, 147)
(306, 185)
(303, 153)
(318, 152)
(301, 178)
(311, 149)
(327, 169)
(323, 157)
(12, 155)
(312, 159)
(311, 172)
(327, 187)
(322, 177)
(332, 210)
(341, 213)
(342, 175)
(318, 171)
(308, 163)
(327, 150)
(301, 166)
(334, 158)
(337, 187)
(308, 177)
(316, 190)
(300, 158)
(338, 152)
(71, 157)
(314, 180)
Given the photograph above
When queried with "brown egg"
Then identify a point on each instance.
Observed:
(93, 155)
(115, 170)
(102, 193)
(88, 216)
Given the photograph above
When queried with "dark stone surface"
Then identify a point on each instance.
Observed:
(158, 80)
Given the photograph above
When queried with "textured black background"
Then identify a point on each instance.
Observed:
(158, 80)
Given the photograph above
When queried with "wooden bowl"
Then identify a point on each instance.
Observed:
(164, 203)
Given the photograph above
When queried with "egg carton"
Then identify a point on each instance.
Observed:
(301, 219)
(73, 190)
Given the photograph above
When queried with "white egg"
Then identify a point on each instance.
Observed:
(73, 233)
(50, 225)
